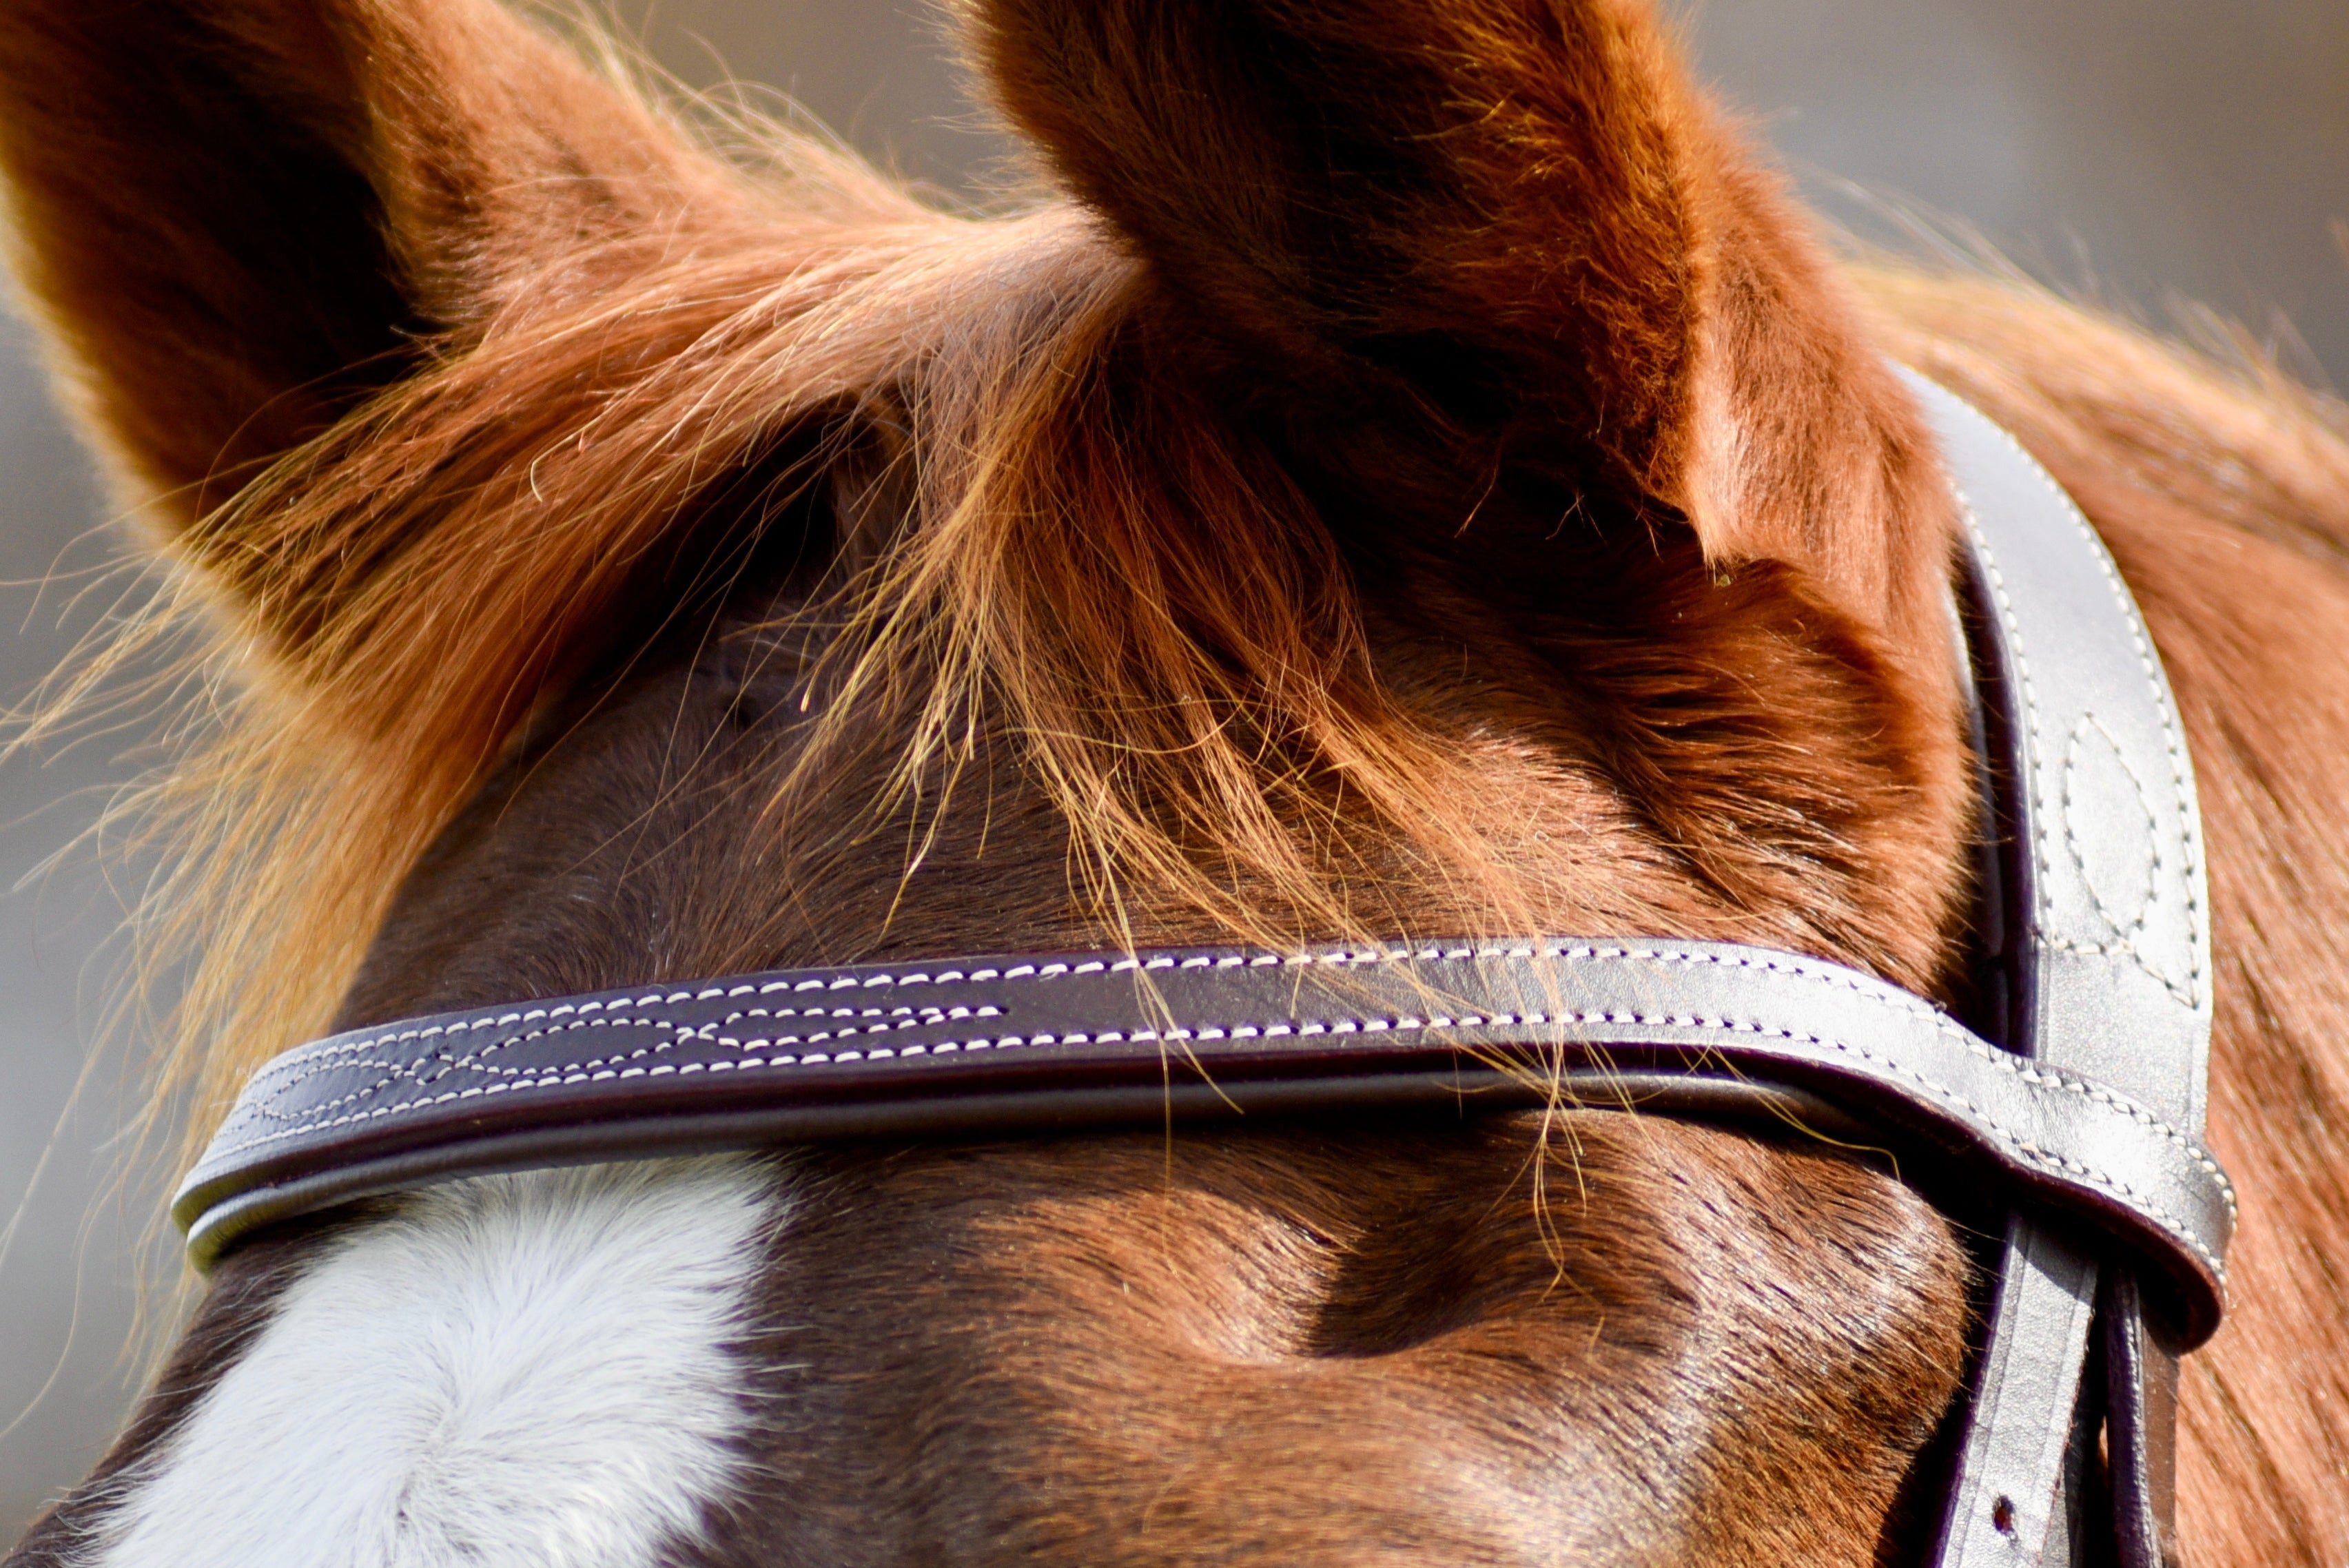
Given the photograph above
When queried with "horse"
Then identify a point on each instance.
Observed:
(1411, 471)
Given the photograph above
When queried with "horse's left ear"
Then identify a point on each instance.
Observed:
(237, 217)
(1511, 229)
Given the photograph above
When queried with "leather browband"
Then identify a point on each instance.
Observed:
(2080, 1087)
(992, 1045)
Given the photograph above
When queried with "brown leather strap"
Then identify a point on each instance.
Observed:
(2141, 1425)
(993, 1047)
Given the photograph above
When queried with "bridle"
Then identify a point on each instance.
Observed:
(2079, 1088)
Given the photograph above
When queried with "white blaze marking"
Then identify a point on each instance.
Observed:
(515, 1370)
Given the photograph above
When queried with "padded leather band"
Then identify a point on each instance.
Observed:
(860, 1050)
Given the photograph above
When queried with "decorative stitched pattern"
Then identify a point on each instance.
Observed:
(843, 1020)
(1784, 963)
(297, 1066)
(2089, 742)
(2194, 994)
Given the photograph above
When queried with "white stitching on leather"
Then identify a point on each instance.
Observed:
(298, 1065)
(1829, 974)
(308, 1061)
(2045, 1160)
(412, 1070)
(2173, 743)
(2122, 928)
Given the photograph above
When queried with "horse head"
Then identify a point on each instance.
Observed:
(1409, 472)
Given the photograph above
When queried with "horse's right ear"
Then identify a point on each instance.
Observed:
(237, 217)
(1510, 233)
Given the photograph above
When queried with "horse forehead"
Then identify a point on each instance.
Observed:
(1288, 1338)
(510, 1370)
(1296, 1346)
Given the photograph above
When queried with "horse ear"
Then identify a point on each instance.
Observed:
(1516, 220)
(237, 217)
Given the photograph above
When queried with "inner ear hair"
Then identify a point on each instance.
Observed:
(1508, 245)
(212, 264)
(237, 218)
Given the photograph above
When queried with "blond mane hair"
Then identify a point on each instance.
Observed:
(411, 584)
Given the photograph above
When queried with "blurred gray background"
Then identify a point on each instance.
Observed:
(2150, 149)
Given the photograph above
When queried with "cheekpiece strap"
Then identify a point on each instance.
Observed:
(2098, 964)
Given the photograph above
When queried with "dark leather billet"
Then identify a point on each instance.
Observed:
(1096, 1038)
